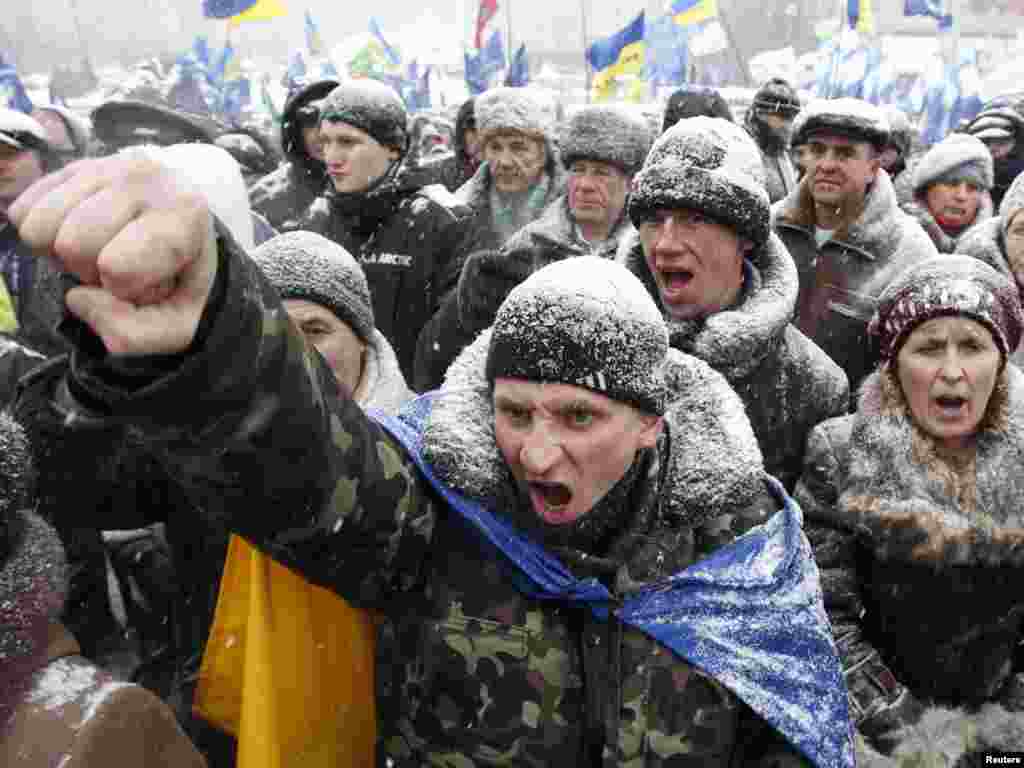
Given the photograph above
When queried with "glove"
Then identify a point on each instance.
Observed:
(487, 278)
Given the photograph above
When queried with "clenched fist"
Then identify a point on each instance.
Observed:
(140, 239)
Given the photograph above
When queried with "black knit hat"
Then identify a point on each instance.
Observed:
(709, 165)
(608, 134)
(16, 482)
(372, 107)
(694, 101)
(942, 286)
(776, 95)
(588, 322)
(305, 265)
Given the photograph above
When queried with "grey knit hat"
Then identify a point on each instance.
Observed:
(942, 286)
(958, 156)
(710, 165)
(370, 106)
(608, 134)
(588, 322)
(512, 109)
(1013, 201)
(853, 118)
(305, 265)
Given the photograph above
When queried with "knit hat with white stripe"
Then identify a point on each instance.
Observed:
(588, 322)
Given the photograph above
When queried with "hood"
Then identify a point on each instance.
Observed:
(735, 341)
(945, 243)
(876, 231)
(291, 132)
(383, 385)
(710, 462)
(914, 505)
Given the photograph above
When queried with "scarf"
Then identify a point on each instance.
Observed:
(510, 213)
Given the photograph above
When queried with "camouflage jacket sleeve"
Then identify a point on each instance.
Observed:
(881, 707)
(251, 424)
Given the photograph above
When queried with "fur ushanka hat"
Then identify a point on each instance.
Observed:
(943, 286)
(608, 134)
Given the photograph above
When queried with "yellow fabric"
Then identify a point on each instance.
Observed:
(694, 13)
(866, 20)
(288, 669)
(263, 10)
(8, 316)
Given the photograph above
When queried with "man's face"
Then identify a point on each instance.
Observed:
(333, 338)
(19, 169)
(1015, 246)
(597, 192)
(354, 158)
(777, 121)
(566, 446)
(697, 263)
(954, 205)
(999, 148)
(312, 142)
(840, 169)
(516, 160)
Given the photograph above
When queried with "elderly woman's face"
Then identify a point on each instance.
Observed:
(953, 205)
(947, 369)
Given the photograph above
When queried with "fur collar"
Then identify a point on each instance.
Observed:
(710, 464)
(875, 231)
(945, 243)
(735, 341)
(383, 385)
(914, 504)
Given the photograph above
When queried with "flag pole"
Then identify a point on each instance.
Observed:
(586, 44)
(508, 34)
(741, 60)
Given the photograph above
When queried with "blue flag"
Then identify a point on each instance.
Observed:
(483, 65)
(314, 43)
(225, 9)
(389, 50)
(933, 8)
(12, 91)
(667, 55)
(519, 73)
(201, 48)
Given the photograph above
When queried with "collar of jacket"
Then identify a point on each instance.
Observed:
(735, 341)
(476, 193)
(902, 495)
(874, 234)
(712, 461)
(557, 226)
(372, 206)
(945, 242)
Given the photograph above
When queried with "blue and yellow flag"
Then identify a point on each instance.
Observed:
(689, 12)
(314, 43)
(861, 15)
(237, 11)
(620, 54)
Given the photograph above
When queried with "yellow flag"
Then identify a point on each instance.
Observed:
(8, 316)
(866, 20)
(263, 10)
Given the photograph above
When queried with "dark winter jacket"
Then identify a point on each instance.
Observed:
(550, 238)
(918, 557)
(474, 670)
(38, 295)
(841, 281)
(786, 382)
(453, 169)
(282, 196)
(779, 174)
(410, 241)
(944, 242)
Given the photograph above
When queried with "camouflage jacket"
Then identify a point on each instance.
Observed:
(471, 671)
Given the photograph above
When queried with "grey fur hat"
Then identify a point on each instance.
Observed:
(588, 322)
(305, 265)
(1013, 201)
(948, 285)
(608, 134)
(852, 118)
(512, 109)
(372, 107)
(710, 165)
(958, 156)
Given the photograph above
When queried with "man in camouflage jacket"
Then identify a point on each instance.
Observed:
(477, 672)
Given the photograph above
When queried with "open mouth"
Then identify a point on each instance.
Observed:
(550, 500)
(674, 283)
(951, 406)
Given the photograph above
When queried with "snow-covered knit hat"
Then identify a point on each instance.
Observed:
(948, 285)
(215, 173)
(608, 134)
(710, 165)
(852, 118)
(372, 107)
(512, 109)
(305, 265)
(1013, 202)
(16, 483)
(777, 95)
(957, 157)
(588, 322)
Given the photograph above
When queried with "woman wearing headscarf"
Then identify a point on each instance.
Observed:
(915, 506)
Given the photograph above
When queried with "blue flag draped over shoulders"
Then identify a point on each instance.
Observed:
(750, 614)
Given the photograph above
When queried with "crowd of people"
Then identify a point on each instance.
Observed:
(601, 442)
